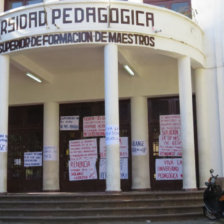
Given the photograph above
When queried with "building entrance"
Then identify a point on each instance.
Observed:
(81, 183)
(156, 108)
(25, 149)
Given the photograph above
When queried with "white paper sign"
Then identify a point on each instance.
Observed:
(3, 143)
(32, 159)
(50, 153)
(170, 142)
(123, 147)
(138, 148)
(123, 168)
(94, 126)
(69, 123)
(82, 169)
(82, 148)
(169, 169)
(17, 162)
(112, 135)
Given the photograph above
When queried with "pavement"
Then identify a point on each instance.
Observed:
(195, 221)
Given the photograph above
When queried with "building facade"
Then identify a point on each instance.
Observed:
(127, 95)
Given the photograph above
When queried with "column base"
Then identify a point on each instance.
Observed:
(191, 189)
(142, 189)
(113, 192)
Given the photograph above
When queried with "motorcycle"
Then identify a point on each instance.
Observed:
(213, 198)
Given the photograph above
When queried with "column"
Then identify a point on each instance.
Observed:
(204, 150)
(209, 151)
(136, 1)
(2, 5)
(112, 117)
(46, 1)
(51, 147)
(4, 102)
(187, 128)
(140, 149)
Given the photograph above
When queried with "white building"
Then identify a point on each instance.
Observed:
(78, 51)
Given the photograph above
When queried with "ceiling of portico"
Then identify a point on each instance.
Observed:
(50, 62)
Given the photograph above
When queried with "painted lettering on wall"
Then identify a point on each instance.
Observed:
(75, 16)
(3, 143)
(76, 38)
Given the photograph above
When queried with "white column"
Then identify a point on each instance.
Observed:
(209, 149)
(140, 149)
(220, 89)
(46, 1)
(112, 117)
(187, 128)
(204, 146)
(2, 5)
(136, 1)
(4, 102)
(51, 147)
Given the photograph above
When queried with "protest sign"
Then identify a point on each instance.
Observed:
(82, 169)
(123, 147)
(169, 169)
(94, 126)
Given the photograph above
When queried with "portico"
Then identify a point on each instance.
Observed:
(56, 53)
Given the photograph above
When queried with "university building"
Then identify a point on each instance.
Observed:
(110, 95)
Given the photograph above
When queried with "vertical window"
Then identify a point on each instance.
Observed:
(181, 7)
(31, 2)
(11, 4)
(14, 4)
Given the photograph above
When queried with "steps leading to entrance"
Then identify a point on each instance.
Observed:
(95, 207)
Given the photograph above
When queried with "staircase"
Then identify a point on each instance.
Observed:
(99, 207)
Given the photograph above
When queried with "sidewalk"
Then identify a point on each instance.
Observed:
(196, 221)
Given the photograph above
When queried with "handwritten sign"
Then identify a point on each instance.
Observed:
(123, 168)
(32, 159)
(123, 147)
(94, 126)
(82, 169)
(50, 153)
(138, 148)
(169, 169)
(82, 148)
(112, 135)
(69, 123)
(170, 142)
(3, 143)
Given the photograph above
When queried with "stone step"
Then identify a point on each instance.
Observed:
(98, 219)
(98, 203)
(85, 207)
(102, 195)
(98, 211)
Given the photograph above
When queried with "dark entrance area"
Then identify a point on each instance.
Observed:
(157, 107)
(25, 142)
(84, 110)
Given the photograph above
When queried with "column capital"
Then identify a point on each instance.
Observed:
(2, 6)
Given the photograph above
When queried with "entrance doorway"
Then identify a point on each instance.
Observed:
(157, 107)
(87, 110)
(25, 149)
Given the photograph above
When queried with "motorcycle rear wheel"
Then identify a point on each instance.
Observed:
(209, 214)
